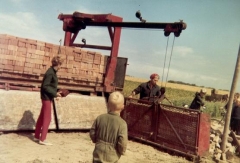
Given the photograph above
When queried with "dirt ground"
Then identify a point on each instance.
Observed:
(72, 147)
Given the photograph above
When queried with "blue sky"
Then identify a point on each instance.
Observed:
(205, 54)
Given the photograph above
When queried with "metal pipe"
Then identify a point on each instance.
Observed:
(92, 46)
(153, 25)
(229, 106)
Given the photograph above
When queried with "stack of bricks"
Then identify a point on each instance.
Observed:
(29, 59)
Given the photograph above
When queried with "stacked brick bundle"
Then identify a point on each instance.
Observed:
(29, 59)
(216, 140)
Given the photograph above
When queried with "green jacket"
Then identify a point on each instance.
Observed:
(49, 84)
(109, 133)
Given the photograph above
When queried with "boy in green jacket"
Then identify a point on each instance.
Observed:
(48, 93)
(109, 132)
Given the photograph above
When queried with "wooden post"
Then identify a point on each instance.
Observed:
(229, 107)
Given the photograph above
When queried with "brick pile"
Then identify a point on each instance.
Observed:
(23, 58)
(216, 139)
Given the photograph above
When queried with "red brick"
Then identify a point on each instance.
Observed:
(5, 51)
(6, 57)
(102, 69)
(19, 63)
(47, 49)
(69, 66)
(42, 48)
(4, 61)
(9, 62)
(11, 52)
(33, 46)
(71, 62)
(34, 56)
(46, 58)
(2, 56)
(48, 45)
(22, 49)
(103, 60)
(55, 50)
(31, 65)
(4, 41)
(38, 61)
(46, 54)
(41, 57)
(46, 62)
(69, 70)
(3, 46)
(18, 68)
(96, 66)
(97, 61)
(69, 51)
(40, 43)
(36, 71)
(38, 66)
(29, 60)
(32, 42)
(70, 57)
(27, 69)
(28, 55)
(21, 44)
(33, 51)
(19, 53)
(39, 52)
(8, 67)
(13, 42)
(91, 52)
(28, 46)
(84, 65)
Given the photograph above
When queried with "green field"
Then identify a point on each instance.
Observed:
(179, 98)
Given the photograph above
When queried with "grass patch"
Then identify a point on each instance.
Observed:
(178, 97)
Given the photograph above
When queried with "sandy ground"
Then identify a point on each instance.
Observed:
(71, 147)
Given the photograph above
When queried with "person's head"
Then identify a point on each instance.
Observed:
(57, 62)
(154, 78)
(116, 101)
(237, 102)
(236, 96)
(162, 90)
(203, 91)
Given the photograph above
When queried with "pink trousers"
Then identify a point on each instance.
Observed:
(43, 121)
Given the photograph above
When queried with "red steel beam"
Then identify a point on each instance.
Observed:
(73, 23)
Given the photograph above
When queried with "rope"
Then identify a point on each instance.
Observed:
(165, 60)
(170, 61)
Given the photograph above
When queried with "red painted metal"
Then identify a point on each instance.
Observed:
(109, 78)
(203, 133)
(69, 28)
(170, 127)
(73, 23)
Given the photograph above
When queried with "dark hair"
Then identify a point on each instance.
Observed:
(162, 90)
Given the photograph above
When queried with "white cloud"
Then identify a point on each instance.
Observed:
(24, 22)
(183, 51)
(21, 20)
(27, 25)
